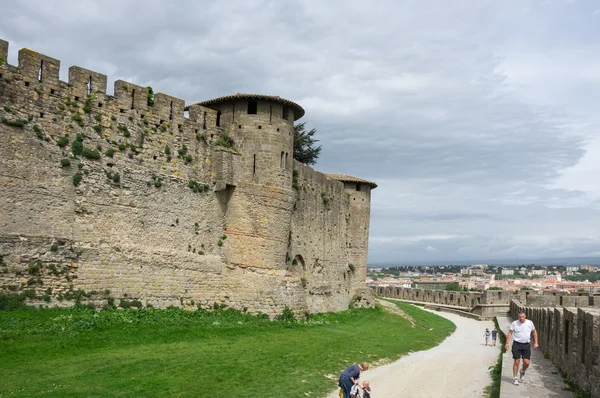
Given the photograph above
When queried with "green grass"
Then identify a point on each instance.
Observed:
(157, 353)
(493, 390)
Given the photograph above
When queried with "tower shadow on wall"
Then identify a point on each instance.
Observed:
(224, 193)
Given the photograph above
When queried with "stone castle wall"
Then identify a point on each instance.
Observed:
(568, 325)
(164, 216)
(570, 337)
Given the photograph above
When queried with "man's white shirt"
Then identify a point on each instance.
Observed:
(522, 331)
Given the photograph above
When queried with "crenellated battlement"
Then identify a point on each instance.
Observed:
(40, 73)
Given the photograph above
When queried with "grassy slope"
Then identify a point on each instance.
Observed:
(62, 353)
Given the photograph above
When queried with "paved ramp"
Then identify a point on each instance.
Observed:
(542, 380)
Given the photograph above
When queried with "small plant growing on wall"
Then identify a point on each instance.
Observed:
(14, 123)
(78, 119)
(124, 130)
(65, 163)
(77, 147)
(325, 198)
(225, 140)
(150, 96)
(197, 187)
(157, 181)
(351, 267)
(90, 154)
(62, 141)
(77, 177)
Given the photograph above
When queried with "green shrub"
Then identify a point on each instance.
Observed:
(220, 242)
(91, 154)
(197, 187)
(157, 181)
(225, 140)
(110, 152)
(98, 128)
(54, 248)
(124, 130)
(116, 178)
(351, 267)
(78, 119)
(183, 151)
(122, 146)
(65, 163)
(77, 146)
(167, 150)
(11, 302)
(130, 303)
(34, 269)
(77, 178)
(14, 123)
(63, 141)
(150, 96)
(87, 108)
(287, 315)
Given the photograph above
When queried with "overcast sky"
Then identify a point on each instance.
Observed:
(479, 120)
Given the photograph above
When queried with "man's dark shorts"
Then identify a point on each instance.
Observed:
(521, 350)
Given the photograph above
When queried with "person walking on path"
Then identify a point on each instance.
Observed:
(521, 331)
(494, 337)
(349, 377)
(487, 336)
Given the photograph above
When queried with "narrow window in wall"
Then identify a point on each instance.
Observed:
(281, 160)
(133, 99)
(285, 113)
(204, 121)
(218, 118)
(270, 113)
(358, 186)
(254, 165)
(171, 114)
(252, 107)
(89, 86)
(286, 161)
(41, 71)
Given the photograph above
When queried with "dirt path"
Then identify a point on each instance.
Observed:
(458, 367)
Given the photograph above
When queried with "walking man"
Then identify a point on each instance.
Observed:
(521, 331)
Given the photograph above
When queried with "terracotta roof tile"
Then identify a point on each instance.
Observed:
(347, 178)
(298, 110)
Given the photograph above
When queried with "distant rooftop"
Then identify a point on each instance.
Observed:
(298, 110)
(347, 178)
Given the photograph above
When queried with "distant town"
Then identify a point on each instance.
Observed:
(479, 277)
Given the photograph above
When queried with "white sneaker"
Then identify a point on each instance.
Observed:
(522, 376)
(516, 381)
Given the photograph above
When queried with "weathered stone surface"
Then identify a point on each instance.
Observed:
(165, 215)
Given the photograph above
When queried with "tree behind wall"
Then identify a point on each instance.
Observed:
(305, 149)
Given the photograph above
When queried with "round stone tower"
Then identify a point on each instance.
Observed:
(358, 218)
(262, 127)
(259, 206)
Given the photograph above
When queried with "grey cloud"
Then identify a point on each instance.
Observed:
(464, 113)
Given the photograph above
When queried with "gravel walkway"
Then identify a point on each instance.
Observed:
(458, 367)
